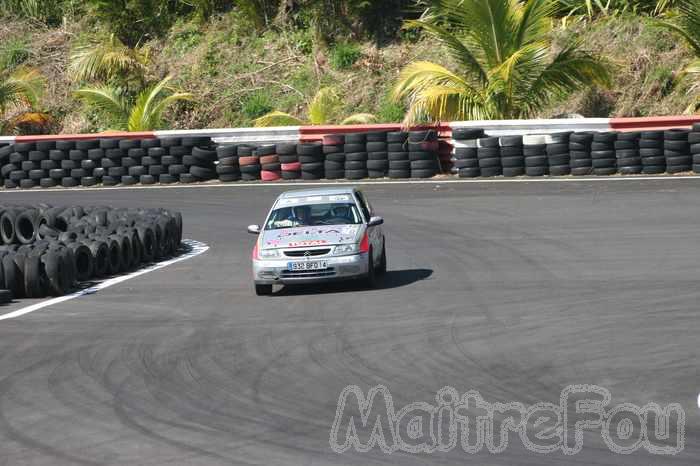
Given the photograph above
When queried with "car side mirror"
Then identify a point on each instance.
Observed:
(254, 229)
(375, 221)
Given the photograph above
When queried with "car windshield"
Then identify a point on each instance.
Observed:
(332, 213)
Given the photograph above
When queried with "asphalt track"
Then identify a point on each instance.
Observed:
(514, 290)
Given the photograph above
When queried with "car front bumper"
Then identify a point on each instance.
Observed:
(275, 271)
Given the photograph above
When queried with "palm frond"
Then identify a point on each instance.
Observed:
(109, 101)
(458, 50)
(535, 21)
(323, 106)
(360, 119)
(107, 60)
(570, 70)
(24, 86)
(277, 118)
(435, 91)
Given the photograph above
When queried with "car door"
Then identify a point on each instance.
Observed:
(375, 234)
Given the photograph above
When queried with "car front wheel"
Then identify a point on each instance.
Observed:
(263, 290)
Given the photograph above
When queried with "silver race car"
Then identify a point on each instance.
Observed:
(318, 235)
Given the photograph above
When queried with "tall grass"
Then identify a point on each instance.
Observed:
(593, 8)
(50, 12)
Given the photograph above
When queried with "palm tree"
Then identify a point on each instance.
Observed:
(109, 61)
(687, 25)
(142, 113)
(20, 90)
(321, 110)
(506, 65)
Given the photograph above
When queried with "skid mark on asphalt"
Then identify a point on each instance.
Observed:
(195, 248)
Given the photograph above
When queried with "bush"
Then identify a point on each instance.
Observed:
(13, 53)
(257, 105)
(344, 55)
(390, 112)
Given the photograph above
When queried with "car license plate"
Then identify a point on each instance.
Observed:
(307, 265)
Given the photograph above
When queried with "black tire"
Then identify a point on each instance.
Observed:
(147, 179)
(630, 170)
(513, 171)
(167, 179)
(424, 173)
(47, 183)
(469, 172)
(263, 290)
(605, 171)
(12, 275)
(397, 174)
(536, 171)
(581, 171)
(490, 162)
(356, 174)
(34, 285)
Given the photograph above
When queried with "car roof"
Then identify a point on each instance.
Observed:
(317, 192)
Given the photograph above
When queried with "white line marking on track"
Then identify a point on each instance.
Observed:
(292, 184)
(196, 248)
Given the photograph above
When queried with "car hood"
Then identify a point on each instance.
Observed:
(300, 237)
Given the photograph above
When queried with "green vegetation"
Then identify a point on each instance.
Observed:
(227, 63)
(323, 109)
(141, 113)
(344, 55)
(506, 65)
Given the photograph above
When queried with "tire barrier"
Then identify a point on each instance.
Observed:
(388, 153)
(677, 151)
(353, 156)
(47, 251)
(107, 161)
(651, 152)
(558, 159)
(580, 159)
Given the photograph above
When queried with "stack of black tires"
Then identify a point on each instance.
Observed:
(397, 155)
(377, 154)
(334, 152)
(423, 153)
(48, 250)
(227, 167)
(694, 141)
(465, 162)
(558, 158)
(512, 157)
(580, 161)
(603, 153)
(311, 160)
(464, 158)
(355, 156)
(488, 153)
(651, 152)
(289, 160)
(677, 151)
(535, 154)
(108, 161)
(629, 161)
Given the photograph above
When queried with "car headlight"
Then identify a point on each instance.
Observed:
(269, 253)
(345, 249)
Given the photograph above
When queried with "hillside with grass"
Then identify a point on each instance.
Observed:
(236, 70)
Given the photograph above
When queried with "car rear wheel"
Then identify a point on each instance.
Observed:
(371, 278)
(263, 290)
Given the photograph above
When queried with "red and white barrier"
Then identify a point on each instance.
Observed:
(316, 133)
